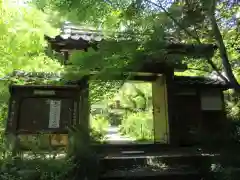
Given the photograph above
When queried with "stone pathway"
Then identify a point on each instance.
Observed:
(114, 137)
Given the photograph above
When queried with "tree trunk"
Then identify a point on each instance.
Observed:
(223, 53)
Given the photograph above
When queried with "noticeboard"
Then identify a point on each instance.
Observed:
(42, 109)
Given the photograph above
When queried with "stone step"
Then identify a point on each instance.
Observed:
(152, 175)
(176, 164)
(196, 162)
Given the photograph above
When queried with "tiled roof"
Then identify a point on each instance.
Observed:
(82, 38)
(73, 34)
(75, 38)
(200, 81)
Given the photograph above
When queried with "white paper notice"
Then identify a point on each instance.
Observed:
(211, 101)
(54, 114)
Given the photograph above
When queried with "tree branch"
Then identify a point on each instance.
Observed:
(214, 67)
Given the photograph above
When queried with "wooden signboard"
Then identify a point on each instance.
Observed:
(42, 109)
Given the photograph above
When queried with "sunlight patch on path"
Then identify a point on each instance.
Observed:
(114, 137)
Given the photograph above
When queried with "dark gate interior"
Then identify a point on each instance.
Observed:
(187, 118)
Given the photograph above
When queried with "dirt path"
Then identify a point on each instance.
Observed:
(114, 137)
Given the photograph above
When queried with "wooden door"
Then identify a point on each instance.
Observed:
(187, 119)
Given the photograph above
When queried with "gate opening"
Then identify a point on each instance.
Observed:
(136, 113)
(125, 116)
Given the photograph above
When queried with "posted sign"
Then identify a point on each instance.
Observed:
(54, 113)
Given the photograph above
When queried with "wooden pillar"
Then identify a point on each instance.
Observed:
(169, 76)
(81, 123)
(65, 57)
(160, 110)
(84, 106)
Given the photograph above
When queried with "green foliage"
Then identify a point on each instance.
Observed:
(22, 45)
(38, 164)
(77, 10)
(138, 126)
(232, 105)
(3, 115)
(136, 96)
(100, 90)
(43, 169)
(99, 125)
(81, 153)
(149, 29)
(22, 30)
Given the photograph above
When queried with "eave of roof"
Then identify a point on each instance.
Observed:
(178, 80)
(75, 42)
(201, 82)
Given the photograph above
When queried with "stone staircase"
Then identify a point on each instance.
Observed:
(158, 165)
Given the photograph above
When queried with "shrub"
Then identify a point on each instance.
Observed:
(99, 125)
(138, 126)
(81, 162)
